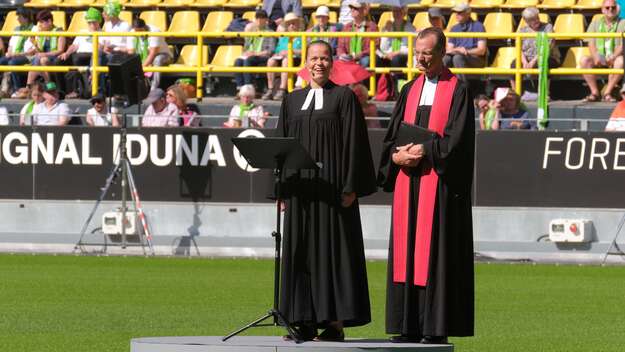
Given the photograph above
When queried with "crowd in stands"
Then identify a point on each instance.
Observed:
(283, 16)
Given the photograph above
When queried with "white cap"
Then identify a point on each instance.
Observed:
(322, 11)
(354, 3)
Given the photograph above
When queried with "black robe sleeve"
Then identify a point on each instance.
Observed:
(359, 172)
(387, 171)
(452, 154)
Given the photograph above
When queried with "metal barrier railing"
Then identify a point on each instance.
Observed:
(199, 69)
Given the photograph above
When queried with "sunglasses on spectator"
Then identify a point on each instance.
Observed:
(610, 7)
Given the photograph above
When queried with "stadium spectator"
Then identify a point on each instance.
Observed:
(247, 114)
(394, 51)
(47, 49)
(99, 115)
(159, 113)
(465, 52)
(291, 23)
(322, 15)
(482, 106)
(17, 53)
(36, 95)
(345, 13)
(153, 50)
(529, 53)
(510, 113)
(436, 18)
(113, 24)
(604, 52)
(257, 50)
(357, 48)
(370, 110)
(617, 119)
(53, 111)
(277, 9)
(188, 112)
(79, 53)
(4, 116)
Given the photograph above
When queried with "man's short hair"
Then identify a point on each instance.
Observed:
(139, 23)
(44, 15)
(261, 14)
(441, 40)
(320, 42)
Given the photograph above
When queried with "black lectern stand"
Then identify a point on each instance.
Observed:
(276, 154)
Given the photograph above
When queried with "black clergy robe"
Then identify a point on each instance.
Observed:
(445, 305)
(324, 277)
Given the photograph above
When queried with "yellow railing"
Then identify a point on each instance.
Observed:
(200, 69)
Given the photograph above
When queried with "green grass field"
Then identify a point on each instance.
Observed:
(67, 303)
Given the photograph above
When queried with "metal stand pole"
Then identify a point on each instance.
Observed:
(278, 318)
(613, 243)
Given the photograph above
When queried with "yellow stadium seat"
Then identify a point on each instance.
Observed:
(42, 3)
(242, 3)
(208, 3)
(334, 4)
(78, 23)
(58, 18)
(126, 16)
(313, 19)
(76, 3)
(313, 4)
(249, 15)
(499, 22)
(542, 16)
(185, 21)
(453, 21)
(596, 17)
(519, 4)
(157, 19)
(588, 5)
(421, 20)
(142, 3)
(422, 4)
(188, 56)
(569, 23)
(574, 55)
(10, 22)
(504, 57)
(226, 55)
(385, 17)
(217, 21)
(556, 4)
(447, 4)
(486, 4)
(100, 3)
(176, 3)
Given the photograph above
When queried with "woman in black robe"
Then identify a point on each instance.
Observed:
(324, 278)
(444, 306)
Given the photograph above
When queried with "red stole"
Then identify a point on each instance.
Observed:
(427, 187)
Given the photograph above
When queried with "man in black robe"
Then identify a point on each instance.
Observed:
(430, 290)
(324, 278)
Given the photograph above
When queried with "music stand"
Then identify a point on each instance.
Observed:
(275, 153)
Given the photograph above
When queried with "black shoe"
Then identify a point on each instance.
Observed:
(331, 335)
(405, 339)
(434, 340)
(304, 333)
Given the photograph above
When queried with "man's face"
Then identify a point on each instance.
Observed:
(247, 99)
(463, 17)
(398, 14)
(482, 105)
(50, 97)
(357, 13)
(609, 9)
(429, 57)
(318, 62)
(323, 20)
(94, 26)
(37, 95)
(45, 25)
(22, 20)
(159, 104)
(436, 22)
(262, 22)
(99, 106)
(533, 23)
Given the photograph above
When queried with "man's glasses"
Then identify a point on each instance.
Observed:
(609, 8)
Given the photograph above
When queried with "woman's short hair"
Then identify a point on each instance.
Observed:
(529, 13)
(248, 91)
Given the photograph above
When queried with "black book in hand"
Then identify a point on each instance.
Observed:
(409, 133)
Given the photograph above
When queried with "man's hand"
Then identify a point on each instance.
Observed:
(347, 199)
(404, 158)
(417, 150)
(463, 51)
(63, 57)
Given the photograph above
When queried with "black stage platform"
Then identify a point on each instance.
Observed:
(272, 344)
